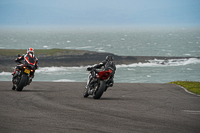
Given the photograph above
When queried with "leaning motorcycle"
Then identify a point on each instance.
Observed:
(96, 86)
(23, 78)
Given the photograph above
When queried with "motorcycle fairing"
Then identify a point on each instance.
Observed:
(104, 75)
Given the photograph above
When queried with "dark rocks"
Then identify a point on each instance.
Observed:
(87, 58)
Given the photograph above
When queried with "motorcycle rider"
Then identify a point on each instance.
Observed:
(109, 65)
(28, 58)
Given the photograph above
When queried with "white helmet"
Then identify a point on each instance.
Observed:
(30, 50)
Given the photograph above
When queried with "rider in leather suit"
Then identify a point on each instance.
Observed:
(109, 65)
(28, 58)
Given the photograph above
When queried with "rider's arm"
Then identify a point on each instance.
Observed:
(36, 64)
(97, 66)
(19, 58)
(100, 64)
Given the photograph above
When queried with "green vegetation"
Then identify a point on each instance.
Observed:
(48, 52)
(191, 86)
(11, 52)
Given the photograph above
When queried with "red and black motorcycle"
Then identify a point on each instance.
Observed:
(98, 84)
(22, 77)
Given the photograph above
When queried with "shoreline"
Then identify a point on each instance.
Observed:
(70, 58)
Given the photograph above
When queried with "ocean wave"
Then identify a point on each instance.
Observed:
(45, 46)
(150, 63)
(5, 73)
(58, 69)
(176, 62)
(163, 63)
(85, 47)
(64, 80)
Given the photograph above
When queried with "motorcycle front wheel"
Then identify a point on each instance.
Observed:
(22, 82)
(85, 92)
(99, 91)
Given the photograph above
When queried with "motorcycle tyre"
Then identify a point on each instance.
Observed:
(85, 93)
(22, 82)
(99, 92)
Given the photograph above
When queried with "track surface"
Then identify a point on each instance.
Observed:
(45, 107)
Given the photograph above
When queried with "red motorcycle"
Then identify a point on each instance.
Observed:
(96, 86)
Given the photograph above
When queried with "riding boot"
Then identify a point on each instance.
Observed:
(110, 84)
(13, 87)
(15, 74)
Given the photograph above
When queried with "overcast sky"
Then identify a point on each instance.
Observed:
(99, 12)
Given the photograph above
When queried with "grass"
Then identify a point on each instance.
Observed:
(49, 52)
(191, 86)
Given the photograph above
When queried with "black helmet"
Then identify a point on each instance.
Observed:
(109, 58)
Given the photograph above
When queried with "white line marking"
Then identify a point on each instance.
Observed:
(187, 90)
(192, 111)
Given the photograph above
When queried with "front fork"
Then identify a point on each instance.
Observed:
(89, 86)
(92, 86)
(15, 79)
(89, 78)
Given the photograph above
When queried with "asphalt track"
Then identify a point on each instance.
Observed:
(59, 107)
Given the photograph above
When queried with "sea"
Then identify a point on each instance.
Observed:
(159, 41)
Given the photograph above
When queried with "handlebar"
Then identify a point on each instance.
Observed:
(89, 68)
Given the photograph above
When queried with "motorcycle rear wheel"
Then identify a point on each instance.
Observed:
(22, 82)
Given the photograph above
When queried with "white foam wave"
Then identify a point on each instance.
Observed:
(100, 49)
(85, 47)
(63, 80)
(49, 69)
(68, 48)
(151, 63)
(187, 54)
(58, 69)
(177, 62)
(5, 73)
(164, 63)
(138, 65)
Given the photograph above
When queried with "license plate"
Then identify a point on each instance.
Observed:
(27, 71)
